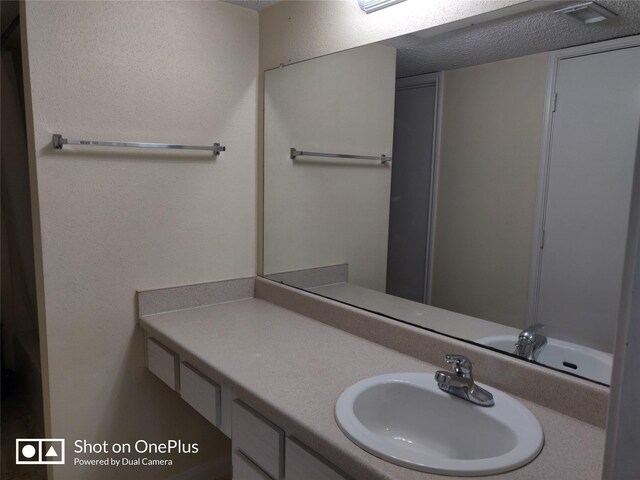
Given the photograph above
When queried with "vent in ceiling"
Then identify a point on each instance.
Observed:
(372, 5)
(587, 13)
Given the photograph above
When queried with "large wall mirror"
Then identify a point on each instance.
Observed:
(476, 183)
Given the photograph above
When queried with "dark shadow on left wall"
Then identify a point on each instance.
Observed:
(22, 403)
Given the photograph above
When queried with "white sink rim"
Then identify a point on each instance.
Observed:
(524, 425)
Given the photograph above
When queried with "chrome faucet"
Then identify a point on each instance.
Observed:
(530, 342)
(460, 383)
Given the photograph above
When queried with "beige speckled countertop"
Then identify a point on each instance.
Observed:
(292, 369)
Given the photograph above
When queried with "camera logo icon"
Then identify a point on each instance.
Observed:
(39, 451)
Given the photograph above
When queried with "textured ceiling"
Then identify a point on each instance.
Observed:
(523, 34)
(253, 4)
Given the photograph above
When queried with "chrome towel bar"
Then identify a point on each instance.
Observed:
(59, 141)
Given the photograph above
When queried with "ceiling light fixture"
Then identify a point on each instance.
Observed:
(372, 5)
(587, 13)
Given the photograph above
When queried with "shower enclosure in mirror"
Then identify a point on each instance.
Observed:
(476, 183)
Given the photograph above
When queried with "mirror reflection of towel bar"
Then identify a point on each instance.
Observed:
(383, 159)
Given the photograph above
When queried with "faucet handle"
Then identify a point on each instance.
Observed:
(462, 366)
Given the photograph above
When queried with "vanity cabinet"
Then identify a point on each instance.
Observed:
(226, 405)
(201, 393)
(262, 452)
(212, 401)
(245, 469)
(163, 363)
(302, 463)
(258, 444)
(258, 439)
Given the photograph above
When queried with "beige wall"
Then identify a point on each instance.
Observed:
(490, 146)
(113, 221)
(325, 212)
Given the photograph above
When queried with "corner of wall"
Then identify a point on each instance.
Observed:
(35, 214)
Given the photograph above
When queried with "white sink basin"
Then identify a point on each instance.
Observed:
(406, 419)
(570, 357)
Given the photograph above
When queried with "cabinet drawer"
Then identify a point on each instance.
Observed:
(304, 464)
(244, 469)
(200, 392)
(259, 439)
(162, 362)
(226, 406)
